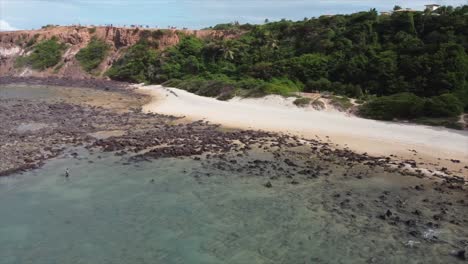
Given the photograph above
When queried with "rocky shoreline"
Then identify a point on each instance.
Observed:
(34, 131)
(100, 84)
(62, 123)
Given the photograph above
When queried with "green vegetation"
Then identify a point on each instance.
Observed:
(58, 67)
(450, 122)
(302, 101)
(44, 55)
(92, 30)
(32, 41)
(135, 66)
(49, 26)
(92, 55)
(401, 105)
(410, 106)
(341, 102)
(406, 65)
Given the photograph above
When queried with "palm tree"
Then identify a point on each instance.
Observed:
(228, 49)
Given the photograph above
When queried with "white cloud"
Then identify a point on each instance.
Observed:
(5, 26)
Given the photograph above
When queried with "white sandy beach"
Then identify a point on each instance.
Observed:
(274, 113)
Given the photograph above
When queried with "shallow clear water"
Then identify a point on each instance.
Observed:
(109, 212)
(26, 92)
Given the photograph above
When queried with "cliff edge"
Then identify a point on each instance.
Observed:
(19, 43)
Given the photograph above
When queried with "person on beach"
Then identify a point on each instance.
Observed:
(67, 172)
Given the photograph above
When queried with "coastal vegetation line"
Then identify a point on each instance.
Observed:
(402, 66)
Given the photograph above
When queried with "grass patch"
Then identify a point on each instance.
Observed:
(45, 55)
(282, 87)
(92, 55)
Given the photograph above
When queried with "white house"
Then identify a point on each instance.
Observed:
(432, 7)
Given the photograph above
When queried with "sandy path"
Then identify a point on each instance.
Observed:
(278, 114)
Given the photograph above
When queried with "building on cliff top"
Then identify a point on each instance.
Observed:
(432, 7)
(405, 10)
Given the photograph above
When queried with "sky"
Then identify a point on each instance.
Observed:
(194, 14)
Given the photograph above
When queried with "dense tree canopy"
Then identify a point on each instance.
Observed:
(413, 54)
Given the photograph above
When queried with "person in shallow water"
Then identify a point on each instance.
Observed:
(67, 172)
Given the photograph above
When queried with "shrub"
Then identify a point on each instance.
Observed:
(318, 104)
(58, 67)
(134, 65)
(92, 30)
(306, 67)
(250, 84)
(21, 62)
(49, 26)
(341, 102)
(157, 34)
(445, 105)
(91, 56)
(45, 54)
(449, 122)
(401, 105)
(302, 102)
(321, 84)
(32, 41)
(216, 86)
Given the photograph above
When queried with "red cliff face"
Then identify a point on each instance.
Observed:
(15, 43)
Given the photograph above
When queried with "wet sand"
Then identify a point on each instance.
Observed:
(433, 147)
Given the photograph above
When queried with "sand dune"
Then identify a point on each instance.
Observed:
(275, 113)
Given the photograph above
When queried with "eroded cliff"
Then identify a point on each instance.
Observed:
(19, 43)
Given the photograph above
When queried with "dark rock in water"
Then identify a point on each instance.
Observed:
(294, 182)
(152, 181)
(437, 217)
(290, 163)
(414, 233)
(462, 254)
(388, 213)
(417, 212)
(410, 222)
(268, 185)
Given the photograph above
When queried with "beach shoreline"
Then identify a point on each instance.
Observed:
(432, 148)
